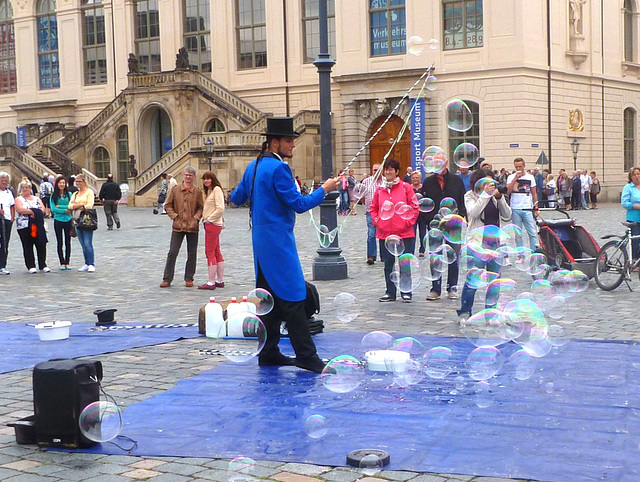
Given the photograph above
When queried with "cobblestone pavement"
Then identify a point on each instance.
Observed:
(129, 265)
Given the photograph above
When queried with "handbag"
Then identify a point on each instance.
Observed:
(72, 231)
(88, 220)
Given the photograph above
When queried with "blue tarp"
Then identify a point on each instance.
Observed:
(22, 348)
(575, 418)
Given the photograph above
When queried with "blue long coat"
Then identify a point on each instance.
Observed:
(276, 200)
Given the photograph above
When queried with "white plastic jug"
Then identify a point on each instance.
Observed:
(248, 306)
(213, 318)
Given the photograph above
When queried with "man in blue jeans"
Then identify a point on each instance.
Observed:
(369, 185)
(521, 187)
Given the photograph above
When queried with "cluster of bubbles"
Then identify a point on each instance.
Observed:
(416, 45)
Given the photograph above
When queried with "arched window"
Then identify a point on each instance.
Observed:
(48, 61)
(629, 32)
(123, 153)
(101, 162)
(93, 42)
(197, 34)
(8, 79)
(148, 35)
(215, 125)
(471, 135)
(8, 139)
(629, 135)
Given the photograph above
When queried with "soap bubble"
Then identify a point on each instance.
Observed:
(346, 306)
(101, 421)
(408, 277)
(485, 185)
(394, 244)
(241, 337)
(242, 469)
(406, 372)
(484, 394)
(500, 288)
(459, 117)
(434, 240)
(431, 83)
(315, 426)
(415, 45)
(554, 307)
(556, 335)
(370, 465)
(262, 299)
(536, 263)
(438, 362)
(454, 228)
(434, 159)
(405, 211)
(466, 155)
(376, 340)
(359, 190)
(434, 44)
(448, 206)
(387, 210)
(521, 365)
(409, 345)
(484, 362)
(426, 205)
(484, 328)
(342, 374)
(324, 236)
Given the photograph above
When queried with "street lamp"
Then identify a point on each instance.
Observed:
(575, 147)
(329, 264)
(208, 145)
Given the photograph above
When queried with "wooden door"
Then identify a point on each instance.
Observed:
(382, 142)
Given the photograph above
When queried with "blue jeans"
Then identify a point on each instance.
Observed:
(525, 221)
(344, 201)
(86, 241)
(469, 293)
(421, 228)
(372, 250)
(452, 273)
(390, 260)
(635, 243)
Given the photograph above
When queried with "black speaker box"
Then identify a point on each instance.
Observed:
(61, 390)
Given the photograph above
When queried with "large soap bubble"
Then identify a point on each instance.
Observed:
(376, 340)
(407, 276)
(242, 469)
(431, 83)
(262, 300)
(315, 426)
(346, 306)
(434, 159)
(342, 374)
(484, 362)
(466, 155)
(387, 210)
(101, 421)
(438, 362)
(394, 244)
(241, 337)
(459, 117)
(484, 328)
(415, 45)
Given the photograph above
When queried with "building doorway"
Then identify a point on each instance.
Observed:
(156, 136)
(382, 142)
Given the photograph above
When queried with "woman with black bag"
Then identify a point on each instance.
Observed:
(30, 227)
(86, 221)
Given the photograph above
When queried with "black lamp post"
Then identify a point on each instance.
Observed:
(208, 145)
(575, 147)
(329, 264)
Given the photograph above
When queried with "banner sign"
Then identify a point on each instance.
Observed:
(417, 135)
(22, 136)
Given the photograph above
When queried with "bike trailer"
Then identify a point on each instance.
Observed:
(567, 245)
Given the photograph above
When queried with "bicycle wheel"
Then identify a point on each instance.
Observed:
(610, 266)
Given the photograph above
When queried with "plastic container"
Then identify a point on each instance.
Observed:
(213, 318)
(384, 360)
(247, 306)
(53, 330)
(233, 307)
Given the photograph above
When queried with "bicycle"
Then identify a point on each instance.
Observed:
(615, 262)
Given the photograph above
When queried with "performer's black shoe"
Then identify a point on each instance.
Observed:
(278, 360)
(315, 365)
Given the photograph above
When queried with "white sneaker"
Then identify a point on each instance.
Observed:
(4, 272)
(84, 268)
(46, 269)
(33, 271)
(91, 268)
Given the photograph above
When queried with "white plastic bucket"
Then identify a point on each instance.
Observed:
(53, 330)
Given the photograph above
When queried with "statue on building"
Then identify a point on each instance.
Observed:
(575, 11)
(133, 172)
(182, 59)
(134, 68)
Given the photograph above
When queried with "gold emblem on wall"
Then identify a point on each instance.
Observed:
(576, 120)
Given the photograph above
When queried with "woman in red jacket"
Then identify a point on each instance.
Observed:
(389, 219)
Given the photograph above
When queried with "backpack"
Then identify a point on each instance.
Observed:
(312, 303)
(46, 189)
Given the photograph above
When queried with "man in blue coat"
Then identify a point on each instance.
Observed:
(269, 186)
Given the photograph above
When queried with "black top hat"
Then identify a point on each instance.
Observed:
(280, 127)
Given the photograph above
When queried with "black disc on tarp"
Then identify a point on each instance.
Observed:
(354, 458)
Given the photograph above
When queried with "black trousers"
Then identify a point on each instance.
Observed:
(293, 313)
(63, 236)
(174, 249)
(27, 249)
(4, 241)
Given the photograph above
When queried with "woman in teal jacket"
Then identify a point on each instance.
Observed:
(62, 221)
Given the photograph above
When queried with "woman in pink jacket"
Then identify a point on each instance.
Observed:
(388, 220)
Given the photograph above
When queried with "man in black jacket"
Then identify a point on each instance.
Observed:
(437, 187)
(110, 194)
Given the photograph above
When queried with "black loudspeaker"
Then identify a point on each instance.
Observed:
(61, 390)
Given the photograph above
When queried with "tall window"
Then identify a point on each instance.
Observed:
(95, 50)
(388, 27)
(629, 32)
(252, 34)
(462, 24)
(197, 34)
(629, 138)
(48, 61)
(311, 25)
(472, 135)
(123, 153)
(148, 36)
(8, 79)
(101, 162)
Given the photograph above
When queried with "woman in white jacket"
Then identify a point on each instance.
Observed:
(486, 206)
